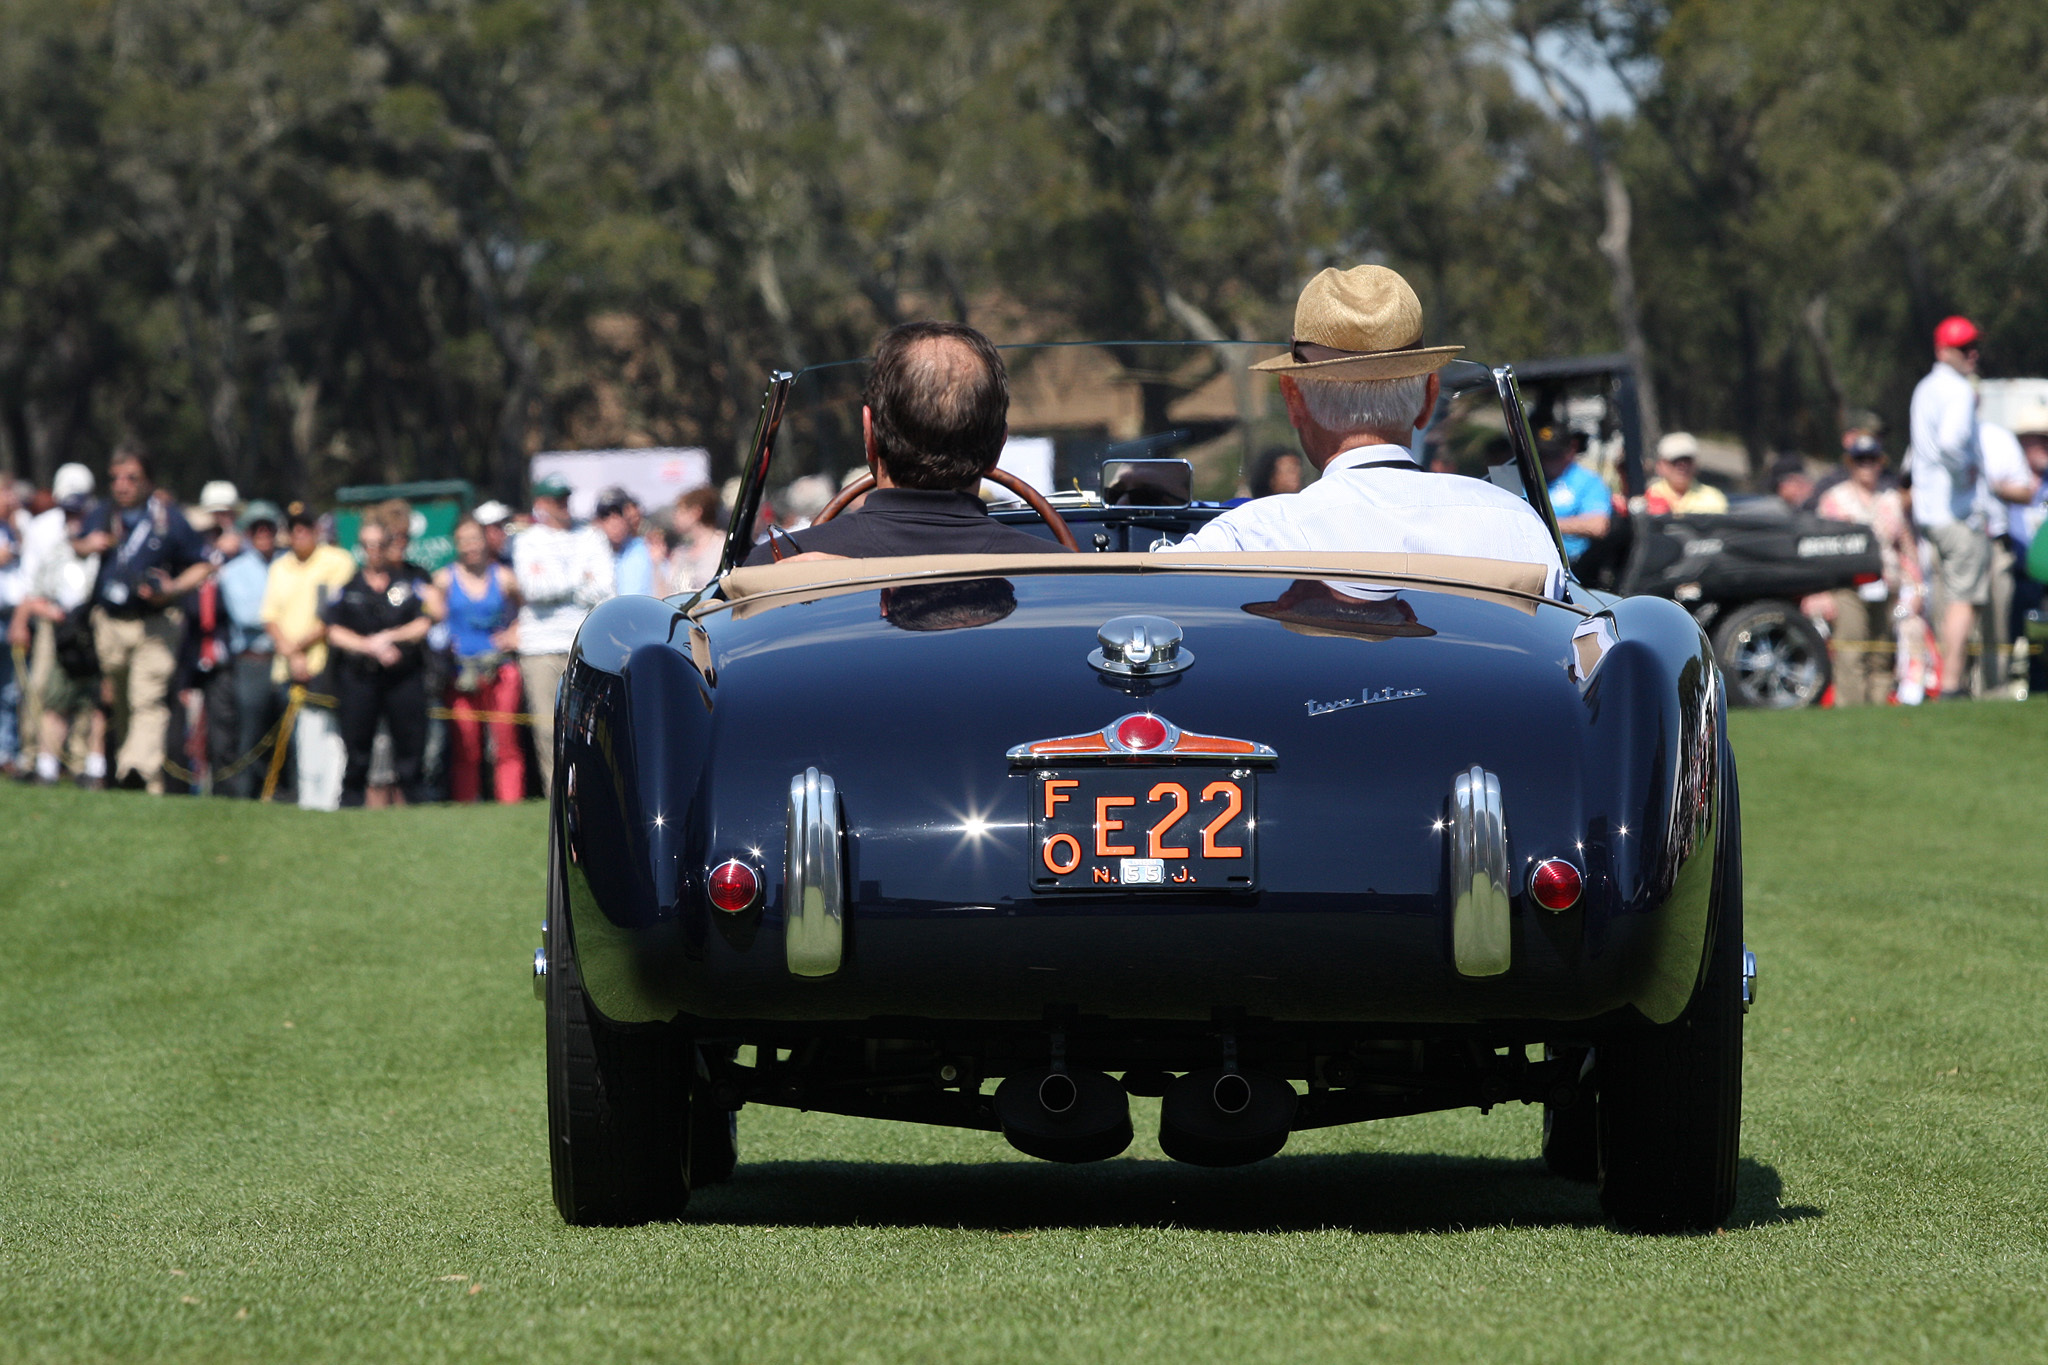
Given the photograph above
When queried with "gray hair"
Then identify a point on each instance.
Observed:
(1385, 406)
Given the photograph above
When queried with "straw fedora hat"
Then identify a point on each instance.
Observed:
(1361, 323)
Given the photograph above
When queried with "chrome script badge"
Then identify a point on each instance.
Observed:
(1366, 698)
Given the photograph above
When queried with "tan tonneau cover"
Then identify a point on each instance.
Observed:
(760, 586)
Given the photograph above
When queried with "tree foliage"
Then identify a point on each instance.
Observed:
(302, 243)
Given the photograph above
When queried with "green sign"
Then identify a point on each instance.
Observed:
(436, 507)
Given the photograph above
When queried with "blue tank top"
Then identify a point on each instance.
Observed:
(471, 620)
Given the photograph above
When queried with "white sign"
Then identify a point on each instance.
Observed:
(655, 477)
(1030, 459)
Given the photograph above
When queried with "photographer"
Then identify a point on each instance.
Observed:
(150, 557)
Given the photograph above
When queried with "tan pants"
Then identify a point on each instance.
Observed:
(543, 673)
(42, 657)
(137, 658)
(1863, 657)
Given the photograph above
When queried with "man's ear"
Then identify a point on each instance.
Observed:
(1429, 394)
(1297, 410)
(867, 435)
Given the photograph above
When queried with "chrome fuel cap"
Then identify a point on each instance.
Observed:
(1140, 647)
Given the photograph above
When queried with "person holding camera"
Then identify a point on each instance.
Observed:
(149, 558)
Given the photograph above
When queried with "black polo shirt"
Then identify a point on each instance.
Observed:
(910, 521)
(367, 610)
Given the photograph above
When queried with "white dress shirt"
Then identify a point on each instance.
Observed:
(1944, 455)
(1392, 509)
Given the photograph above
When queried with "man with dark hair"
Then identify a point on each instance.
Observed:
(936, 413)
(150, 558)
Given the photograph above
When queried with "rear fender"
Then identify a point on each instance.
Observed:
(1658, 730)
(633, 733)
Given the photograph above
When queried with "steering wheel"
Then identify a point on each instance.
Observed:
(1053, 521)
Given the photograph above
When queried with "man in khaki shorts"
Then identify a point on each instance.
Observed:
(1948, 465)
(149, 558)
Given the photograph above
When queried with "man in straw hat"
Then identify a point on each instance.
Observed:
(1358, 382)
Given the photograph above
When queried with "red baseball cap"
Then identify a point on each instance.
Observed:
(1957, 332)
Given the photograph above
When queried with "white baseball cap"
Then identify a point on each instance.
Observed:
(492, 513)
(2032, 420)
(1678, 445)
(219, 496)
(71, 481)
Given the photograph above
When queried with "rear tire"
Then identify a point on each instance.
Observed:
(1772, 656)
(1670, 1109)
(618, 1098)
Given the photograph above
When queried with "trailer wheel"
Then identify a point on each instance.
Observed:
(1772, 656)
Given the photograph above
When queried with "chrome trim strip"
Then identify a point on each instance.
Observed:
(1481, 942)
(813, 885)
(1164, 754)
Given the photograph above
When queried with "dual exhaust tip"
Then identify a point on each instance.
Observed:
(1216, 1117)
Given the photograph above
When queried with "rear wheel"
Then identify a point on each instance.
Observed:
(618, 1099)
(1670, 1108)
(1772, 656)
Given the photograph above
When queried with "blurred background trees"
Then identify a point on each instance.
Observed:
(303, 243)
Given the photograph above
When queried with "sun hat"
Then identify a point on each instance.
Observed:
(1361, 323)
(551, 486)
(2031, 420)
(492, 513)
(219, 496)
(1678, 445)
(1956, 332)
(71, 481)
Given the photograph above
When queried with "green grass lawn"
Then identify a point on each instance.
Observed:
(270, 1088)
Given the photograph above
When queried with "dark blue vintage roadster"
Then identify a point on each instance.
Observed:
(1000, 842)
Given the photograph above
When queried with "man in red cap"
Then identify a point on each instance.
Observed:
(1947, 466)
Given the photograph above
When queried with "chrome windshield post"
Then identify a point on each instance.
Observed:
(1535, 487)
(754, 473)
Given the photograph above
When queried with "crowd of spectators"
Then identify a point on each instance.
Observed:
(1954, 525)
(236, 649)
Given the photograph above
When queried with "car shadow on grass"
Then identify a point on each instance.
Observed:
(1356, 1192)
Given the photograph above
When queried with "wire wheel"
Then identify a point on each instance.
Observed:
(1772, 656)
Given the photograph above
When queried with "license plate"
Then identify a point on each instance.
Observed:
(1142, 829)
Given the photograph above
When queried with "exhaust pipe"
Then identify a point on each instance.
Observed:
(1064, 1115)
(1225, 1118)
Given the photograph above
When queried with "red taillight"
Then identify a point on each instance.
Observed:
(1555, 884)
(1141, 732)
(733, 886)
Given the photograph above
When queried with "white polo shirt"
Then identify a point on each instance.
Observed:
(1396, 509)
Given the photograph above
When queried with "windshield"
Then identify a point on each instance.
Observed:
(1074, 406)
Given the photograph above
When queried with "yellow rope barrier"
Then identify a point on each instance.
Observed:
(278, 740)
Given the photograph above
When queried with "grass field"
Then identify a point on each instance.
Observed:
(270, 1089)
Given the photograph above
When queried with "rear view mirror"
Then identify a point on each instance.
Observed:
(1148, 483)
